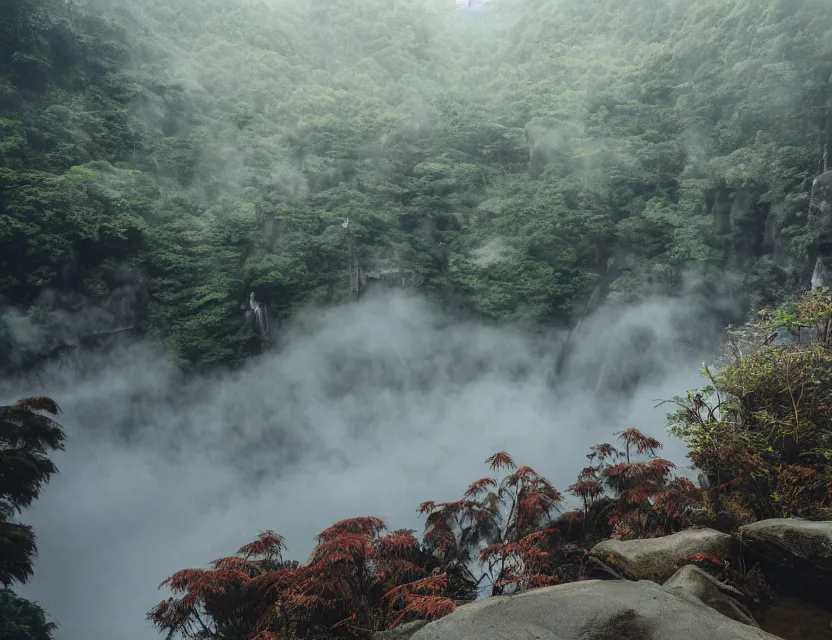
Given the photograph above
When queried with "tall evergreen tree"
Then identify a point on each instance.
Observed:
(27, 435)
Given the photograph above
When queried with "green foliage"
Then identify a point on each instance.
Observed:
(761, 430)
(21, 619)
(27, 436)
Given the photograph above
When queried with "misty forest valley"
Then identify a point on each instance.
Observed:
(429, 319)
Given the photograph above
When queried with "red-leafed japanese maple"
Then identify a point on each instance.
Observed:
(357, 573)
(358, 580)
(423, 599)
(649, 499)
(236, 598)
(497, 537)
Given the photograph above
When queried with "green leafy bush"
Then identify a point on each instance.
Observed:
(761, 431)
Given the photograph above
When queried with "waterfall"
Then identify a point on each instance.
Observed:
(819, 274)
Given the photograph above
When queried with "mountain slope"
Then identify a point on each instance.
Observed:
(162, 161)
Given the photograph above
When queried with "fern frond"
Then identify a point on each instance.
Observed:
(431, 585)
(642, 443)
(426, 608)
(662, 466)
(204, 582)
(344, 545)
(501, 549)
(501, 460)
(479, 486)
(171, 615)
(538, 536)
(603, 451)
(426, 507)
(588, 473)
(397, 543)
(540, 580)
(523, 474)
(237, 563)
(636, 495)
(364, 526)
(268, 542)
(702, 558)
(274, 582)
(586, 489)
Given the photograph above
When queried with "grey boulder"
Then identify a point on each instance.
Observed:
(657, 559)
(692, 582)
(590, 610)
(796, 555)
(790, 541)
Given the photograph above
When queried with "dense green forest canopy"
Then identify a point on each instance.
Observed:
(162, 160)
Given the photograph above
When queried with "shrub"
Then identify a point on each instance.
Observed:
(760, 431)
(648, 499)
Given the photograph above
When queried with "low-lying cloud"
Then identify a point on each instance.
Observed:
(368, 409)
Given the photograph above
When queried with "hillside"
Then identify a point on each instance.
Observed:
(161, 162)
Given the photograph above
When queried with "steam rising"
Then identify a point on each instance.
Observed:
(368, 409)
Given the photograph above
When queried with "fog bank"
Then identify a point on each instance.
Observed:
(368, 409)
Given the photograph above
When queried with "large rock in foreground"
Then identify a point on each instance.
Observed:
(788, 540)
(657, 559)
(590, 610)
(797, 554)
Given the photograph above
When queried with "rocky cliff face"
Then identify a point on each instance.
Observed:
(820, 207)
(820, 221)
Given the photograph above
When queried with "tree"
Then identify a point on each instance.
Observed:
(648, 500)
(357, 580)
(27, 436)
(500, 525)
(500, 537)
(21, 619)
(360, 579)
